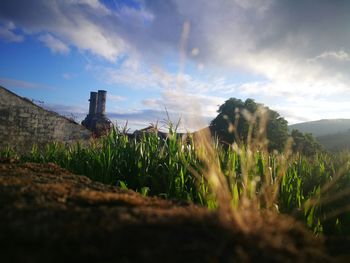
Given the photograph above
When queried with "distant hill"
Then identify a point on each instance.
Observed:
(323, 127)
(336, 142)
(333, 134)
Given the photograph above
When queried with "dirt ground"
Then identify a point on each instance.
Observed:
(50, 215)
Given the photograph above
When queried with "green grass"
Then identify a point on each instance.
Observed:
(313, 189)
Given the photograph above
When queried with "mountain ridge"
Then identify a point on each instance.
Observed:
(332, 134)
(322, 127)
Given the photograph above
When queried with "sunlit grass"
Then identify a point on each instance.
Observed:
(198, 169)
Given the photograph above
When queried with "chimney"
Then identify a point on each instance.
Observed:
(96, 121)
(93, 103)
(101, 102)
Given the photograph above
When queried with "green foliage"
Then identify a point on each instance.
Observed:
(236, 117)
(314, 188)
(336, 142)
(305, 143)
(8, 154)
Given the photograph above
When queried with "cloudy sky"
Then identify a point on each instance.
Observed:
(185, 56)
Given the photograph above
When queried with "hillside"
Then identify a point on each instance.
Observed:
(323, 127)
(336, 142)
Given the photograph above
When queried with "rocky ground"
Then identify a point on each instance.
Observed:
(50, 215)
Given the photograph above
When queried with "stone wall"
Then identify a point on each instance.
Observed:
(23, 123)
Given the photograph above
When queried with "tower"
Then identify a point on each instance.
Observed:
(96, 121)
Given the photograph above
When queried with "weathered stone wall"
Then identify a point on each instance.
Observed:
(22, 124)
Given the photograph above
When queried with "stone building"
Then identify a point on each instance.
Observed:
(97, 121)
(23, 123)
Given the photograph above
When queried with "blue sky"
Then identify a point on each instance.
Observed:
(185, 56)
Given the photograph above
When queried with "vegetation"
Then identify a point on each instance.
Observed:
(333, 134)
(298, 179)
(305, 143)
(336, 142)
(314, 189)
(236, 117)
(322, 127)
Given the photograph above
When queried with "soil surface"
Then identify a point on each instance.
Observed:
(50, 215)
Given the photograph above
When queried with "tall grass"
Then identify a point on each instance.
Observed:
(198, 169)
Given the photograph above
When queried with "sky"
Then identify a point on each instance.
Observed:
(178, 56)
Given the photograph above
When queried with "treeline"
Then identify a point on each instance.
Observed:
(244, 122)
(336, 142)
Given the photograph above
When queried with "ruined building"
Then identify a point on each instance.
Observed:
(24, 124)
(96, 121)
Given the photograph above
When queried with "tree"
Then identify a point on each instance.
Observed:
(305, 143)
(233, 121)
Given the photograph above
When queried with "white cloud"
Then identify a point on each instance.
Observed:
(67, 76)
(115, 98)
(340, 55)
(85, 24)
(186, 103)
(135, 16)
(94, 4)
(7, 34)
(297, 50)
(123, 76)
(136, 75)
(273, 40)
(87, 36)
(180, 94)
(307, 110)
(54, 44)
